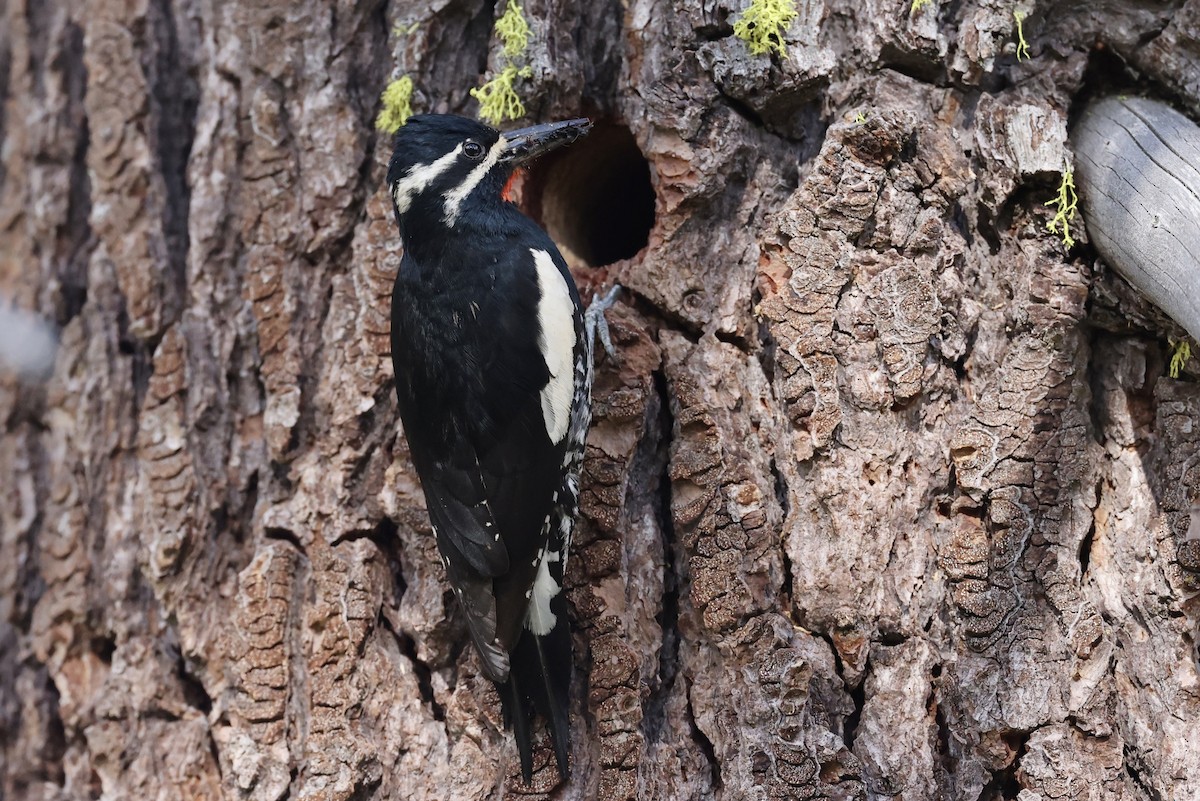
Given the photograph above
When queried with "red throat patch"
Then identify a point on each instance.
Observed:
(512, 189)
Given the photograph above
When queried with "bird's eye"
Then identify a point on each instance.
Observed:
(473, 150)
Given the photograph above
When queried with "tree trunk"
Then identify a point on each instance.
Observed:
(887, 497)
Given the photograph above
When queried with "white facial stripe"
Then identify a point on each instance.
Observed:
(419, 177)
(556, 341)
(538, 618)
(455, 197)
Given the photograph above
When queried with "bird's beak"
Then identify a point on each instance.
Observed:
(526, 144)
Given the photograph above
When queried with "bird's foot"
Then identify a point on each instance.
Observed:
(596, 324)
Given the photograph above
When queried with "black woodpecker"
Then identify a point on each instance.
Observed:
(493, 362)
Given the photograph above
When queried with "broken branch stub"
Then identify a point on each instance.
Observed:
(1138, 164)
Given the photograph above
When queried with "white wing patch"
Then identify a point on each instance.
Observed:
(455, 197)
(556, 340)
(539, 619)
(419, 177)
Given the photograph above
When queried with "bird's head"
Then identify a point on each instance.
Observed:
(442, 163)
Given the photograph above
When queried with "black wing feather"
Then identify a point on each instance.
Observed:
(469, 372)
(460, 512)
(521, 467)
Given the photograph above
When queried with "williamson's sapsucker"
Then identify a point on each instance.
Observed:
(493, 364)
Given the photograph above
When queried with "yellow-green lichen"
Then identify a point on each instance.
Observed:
(763, 24)
(917, 5)
(860, 118)
(498, 100)
(397, 105)
(405, 30)
(1182, 351)
(1022, 45)
(513, 30)
(1066, 202)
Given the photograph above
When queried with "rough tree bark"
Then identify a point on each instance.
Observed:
(888, 496)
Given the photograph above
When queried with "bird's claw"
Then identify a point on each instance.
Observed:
(596, 324)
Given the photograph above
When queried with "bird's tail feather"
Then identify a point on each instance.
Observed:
(556, 687)
(516, 715)
(540, 679)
